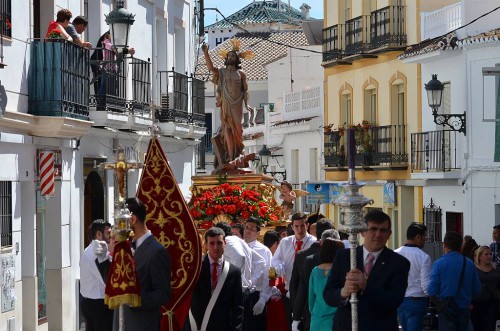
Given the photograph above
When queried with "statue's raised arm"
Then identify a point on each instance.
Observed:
(208, 60)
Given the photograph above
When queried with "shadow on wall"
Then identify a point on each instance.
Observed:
(3, 99)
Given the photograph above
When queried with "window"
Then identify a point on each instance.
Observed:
(5, 214)
(398, 104)
(345, 109)
(497, 116)
(5, 18)
(371, 105)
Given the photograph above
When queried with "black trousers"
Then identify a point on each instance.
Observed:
(250, 321)
(97, 315)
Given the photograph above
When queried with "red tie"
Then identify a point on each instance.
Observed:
(215, 275)
(298, 246)
(369, 264)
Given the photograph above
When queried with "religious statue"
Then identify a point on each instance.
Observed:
(120, 167)
(232, 93)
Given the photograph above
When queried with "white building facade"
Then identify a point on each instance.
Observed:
(459, 172)
(42, 238)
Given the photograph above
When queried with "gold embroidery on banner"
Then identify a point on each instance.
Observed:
(123, 271)
(161, 186)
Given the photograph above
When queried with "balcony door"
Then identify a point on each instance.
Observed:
(345, 108)
(398, 109)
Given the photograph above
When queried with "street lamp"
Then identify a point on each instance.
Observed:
(120, 20)
(265, 153)
(434, 90)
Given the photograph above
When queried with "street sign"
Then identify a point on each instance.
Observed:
(324, 192)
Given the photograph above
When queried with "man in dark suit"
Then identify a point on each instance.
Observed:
(217, 302)
(380, 280)
(152, 263)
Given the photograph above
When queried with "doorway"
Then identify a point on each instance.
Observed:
(454, 222)
(93, 202)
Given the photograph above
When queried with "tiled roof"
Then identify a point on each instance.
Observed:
(450, 42)
(260, 12)
(265, 52)
(492, 36)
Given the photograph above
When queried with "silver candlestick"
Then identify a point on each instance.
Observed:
(351, 218)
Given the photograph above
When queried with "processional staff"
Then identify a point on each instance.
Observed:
(351, 218)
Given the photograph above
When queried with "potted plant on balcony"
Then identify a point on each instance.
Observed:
(327, 128)
(364, 140)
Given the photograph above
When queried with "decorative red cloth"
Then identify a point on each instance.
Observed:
(276, 309)
(170, 222)
(122, 286)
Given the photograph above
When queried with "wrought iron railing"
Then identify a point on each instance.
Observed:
(174, 95)
(141, 86)
(110, 80)
(197, 101)
(58, 79)
(333, 42)
(434, 151)
(357, 35)
(382, 146)
(388, 27)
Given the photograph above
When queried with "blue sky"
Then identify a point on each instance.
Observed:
(228, 7)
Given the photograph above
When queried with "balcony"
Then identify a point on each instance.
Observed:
(433, 154)
(121, 92)
(384, 149)
(174, 116)
(388, 27)
(442, 21)
(365, 35)
(357, 35)
(333, 45)
(58, 84)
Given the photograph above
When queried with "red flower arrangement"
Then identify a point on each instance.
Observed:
(233, 203)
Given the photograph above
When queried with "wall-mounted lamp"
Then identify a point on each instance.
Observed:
(265, 153)
(434, 90)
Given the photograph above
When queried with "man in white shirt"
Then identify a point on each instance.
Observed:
(255, 317)
(94, 264)
(287, 249)
(238, 253)
(412, 311)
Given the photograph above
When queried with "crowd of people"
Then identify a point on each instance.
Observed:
(303, 282)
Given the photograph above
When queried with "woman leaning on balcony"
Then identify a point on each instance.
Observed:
(56, 28)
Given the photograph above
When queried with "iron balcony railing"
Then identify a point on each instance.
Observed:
(385, 27)
(388, 27)
(174, 95)
(382, 146)
(357, 35)
(141, 86)
(333, 42)
(434, 151)
(197, 101)
(110, 82)
(58, 79)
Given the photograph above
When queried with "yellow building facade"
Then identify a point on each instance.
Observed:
(367, 88)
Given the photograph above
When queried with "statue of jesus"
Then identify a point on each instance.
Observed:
(232, 93)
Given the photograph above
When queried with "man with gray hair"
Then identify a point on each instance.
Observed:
(299, 284)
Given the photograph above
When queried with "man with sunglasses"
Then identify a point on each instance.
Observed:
(380, 280)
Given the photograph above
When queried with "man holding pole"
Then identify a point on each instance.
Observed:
(379, 279)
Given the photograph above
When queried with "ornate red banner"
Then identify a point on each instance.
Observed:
(170, 222)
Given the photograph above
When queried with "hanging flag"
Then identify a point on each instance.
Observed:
(47, 174)
(170, 222)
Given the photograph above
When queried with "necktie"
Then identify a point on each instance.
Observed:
(369, 264)
(133, 245)
(298, 246)
(215, 275)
